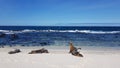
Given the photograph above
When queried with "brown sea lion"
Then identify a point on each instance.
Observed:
(15, 51)
(74, 50)
(39, 51)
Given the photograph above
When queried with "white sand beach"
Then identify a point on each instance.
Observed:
(60, 58)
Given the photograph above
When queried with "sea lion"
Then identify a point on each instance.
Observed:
(74, 50)
(15, 51)
(39, 51)
(71, 48)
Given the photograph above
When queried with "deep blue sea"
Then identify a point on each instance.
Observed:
(60, 35)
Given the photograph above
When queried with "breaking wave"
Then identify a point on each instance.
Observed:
(71, 31)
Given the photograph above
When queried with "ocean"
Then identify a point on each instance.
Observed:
(107, 36)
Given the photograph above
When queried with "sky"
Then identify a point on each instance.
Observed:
(59, 12)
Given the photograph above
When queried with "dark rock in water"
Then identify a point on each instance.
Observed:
(2, 35)
(43, 43)
(39, 51)
(14, 36)
(22, 45)
(15, 51)
(74, 51)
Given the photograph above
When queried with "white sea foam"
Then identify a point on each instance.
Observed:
(71, 31)
(99, 32)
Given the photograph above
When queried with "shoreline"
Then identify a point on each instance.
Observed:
(65, 49)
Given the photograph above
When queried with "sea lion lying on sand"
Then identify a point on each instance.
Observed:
(15, 51)
(39, 51)
(74, 51)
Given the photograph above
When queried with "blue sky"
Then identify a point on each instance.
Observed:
(59, 12)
